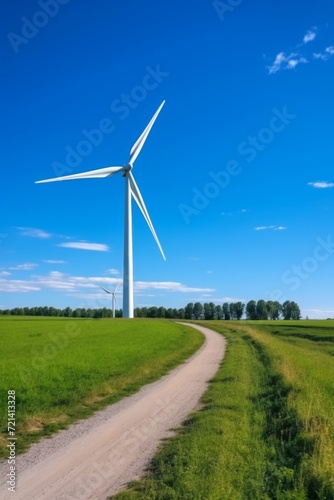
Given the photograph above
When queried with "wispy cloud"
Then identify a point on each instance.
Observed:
(171, 286)
(4, 273)
(319, 55)
(283, 61)
(331, 311)
(97, 297)
(290, 60)
(242, 211)
(273, 228)
(324, 56)
(114, 272)
(230, 299)
(27, 266)
(61, 282)
(85, 245)
(17, 286)
(319, 313)
(321, 184)
(33, 232)
(309, 36)
(55, 281)
(55, 261)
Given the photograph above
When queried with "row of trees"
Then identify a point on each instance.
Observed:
(253, 310)
(272, 310)
(260, 310)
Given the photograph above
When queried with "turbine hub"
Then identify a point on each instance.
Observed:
(127, 169)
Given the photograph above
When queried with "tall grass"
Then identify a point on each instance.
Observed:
(305, 360)
(64, 369)
(266, 427)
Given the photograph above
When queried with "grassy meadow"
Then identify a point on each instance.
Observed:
(266, 428)
(63, 369)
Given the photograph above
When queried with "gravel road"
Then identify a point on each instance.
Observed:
(97, 457)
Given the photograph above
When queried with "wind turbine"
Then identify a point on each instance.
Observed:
(114, 298)
(131, 190)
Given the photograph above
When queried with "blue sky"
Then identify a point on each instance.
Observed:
(237, 173)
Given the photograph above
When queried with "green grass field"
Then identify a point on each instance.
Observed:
(266, 429)
(64, 369)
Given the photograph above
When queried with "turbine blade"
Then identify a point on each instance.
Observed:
(117, 287)
(136, 148)
(116, 301)
(99, 173)
(105, 289)
(140, 202)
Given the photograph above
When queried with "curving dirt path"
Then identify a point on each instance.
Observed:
(97, 457)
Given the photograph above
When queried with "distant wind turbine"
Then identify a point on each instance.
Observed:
(114, 298)
(131, 189)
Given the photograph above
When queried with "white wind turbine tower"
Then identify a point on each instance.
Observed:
(131, 190)
(114, 298)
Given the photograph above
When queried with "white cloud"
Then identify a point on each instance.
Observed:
(291, 61)
(89, 282)
(318, 313)
(170, 286)
(318, 55)
(55, 261)
(146, 295)
(321, 184)
(273, 228)
(17, 286)
(310, 36)
(4, 273)
(321, 310)
(85, 245)
(102, 296)
(329, 51)
(34, 233)
(242, 211)
(113, 271)
(58, 281)
(283, 61)
(55, 281)
(230, 299)
(27, 266)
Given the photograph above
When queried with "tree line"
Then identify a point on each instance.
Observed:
(253, 310)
